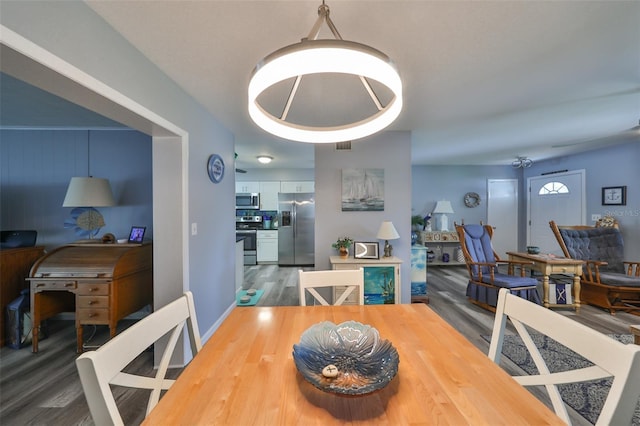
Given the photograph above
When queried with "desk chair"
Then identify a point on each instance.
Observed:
(101, 368)
(350, 280)
(611, 358)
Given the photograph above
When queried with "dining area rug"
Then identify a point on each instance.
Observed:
(587, 398)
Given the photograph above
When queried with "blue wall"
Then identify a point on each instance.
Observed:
(38, 164)
(611, 166)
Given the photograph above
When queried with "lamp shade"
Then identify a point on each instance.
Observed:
(387, 231)
(88, 192)
(443, 207)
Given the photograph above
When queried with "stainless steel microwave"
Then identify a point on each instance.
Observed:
(248, 201)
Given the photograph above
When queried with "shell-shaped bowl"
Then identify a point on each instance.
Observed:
(365, 362)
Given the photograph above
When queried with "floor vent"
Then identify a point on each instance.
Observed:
(343, 146)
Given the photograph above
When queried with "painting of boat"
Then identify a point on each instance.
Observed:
(362, 190)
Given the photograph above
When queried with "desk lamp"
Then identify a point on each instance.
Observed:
(387, 232)
(443, 208)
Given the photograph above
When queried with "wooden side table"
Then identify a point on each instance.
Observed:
(547, 265)
(635, 330)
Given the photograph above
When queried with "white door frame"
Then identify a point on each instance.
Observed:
(171, 254)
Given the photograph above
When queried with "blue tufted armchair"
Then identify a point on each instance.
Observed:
(608, 281)
(485, 279)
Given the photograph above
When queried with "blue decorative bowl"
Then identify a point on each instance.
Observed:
(364, 361)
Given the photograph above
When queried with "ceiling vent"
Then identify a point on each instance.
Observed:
(343, 146)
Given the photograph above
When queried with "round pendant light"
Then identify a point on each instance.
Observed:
(312, 56)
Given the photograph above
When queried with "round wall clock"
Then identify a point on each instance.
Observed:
(215, 168)
(471, 199)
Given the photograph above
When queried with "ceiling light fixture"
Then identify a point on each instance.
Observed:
(265, 159)
(522, 163)
(312, 56)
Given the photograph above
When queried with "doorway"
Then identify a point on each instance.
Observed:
(502, 214)
(559, 197)
(34, 65)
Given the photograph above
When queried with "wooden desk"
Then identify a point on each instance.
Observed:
(102, 283)
(635, 330)
(547, 265)
(15, 264)
(245, 375)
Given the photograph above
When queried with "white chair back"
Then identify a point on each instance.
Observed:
(610, 357)
(351, 280)
(101, 368)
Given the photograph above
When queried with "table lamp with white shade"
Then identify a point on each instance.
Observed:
(86, 193)
(443, 208)
(387, 232)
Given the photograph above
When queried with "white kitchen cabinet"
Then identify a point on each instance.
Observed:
(297, 186)
(269, 195)
(267, 247)
(247, 187)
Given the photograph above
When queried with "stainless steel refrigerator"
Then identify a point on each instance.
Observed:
(296, 222)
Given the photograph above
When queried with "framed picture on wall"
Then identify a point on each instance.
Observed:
(614, 196)
(362, 190)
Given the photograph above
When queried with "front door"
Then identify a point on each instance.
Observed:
(558, 197)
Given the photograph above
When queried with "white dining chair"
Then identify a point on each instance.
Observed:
(345, 281)
(102, 368)
(610, 358)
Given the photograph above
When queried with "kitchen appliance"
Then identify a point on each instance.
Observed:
(248, 201)
(296, 223)
(247, 227)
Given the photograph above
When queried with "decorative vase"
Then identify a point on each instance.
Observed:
(344, 252)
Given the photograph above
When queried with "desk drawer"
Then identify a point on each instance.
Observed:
(93, 302)
(90, 289)
(93, 316)
(54, 285)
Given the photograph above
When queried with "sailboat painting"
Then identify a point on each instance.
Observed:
(362, 190)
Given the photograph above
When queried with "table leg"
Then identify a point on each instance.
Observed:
(35, 321)
(545, 290)
(576, 291)
(635, 330)
(79, 337)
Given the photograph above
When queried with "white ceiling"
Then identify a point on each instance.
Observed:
(484, 81)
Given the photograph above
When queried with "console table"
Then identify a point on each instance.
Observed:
(445, 242)
(548, 265)
(381, 278)
(102, 283)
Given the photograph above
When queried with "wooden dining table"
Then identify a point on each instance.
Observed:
(245, 375)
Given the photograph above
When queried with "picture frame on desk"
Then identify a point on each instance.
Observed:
(366, 250)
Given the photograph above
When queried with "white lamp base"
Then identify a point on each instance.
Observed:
(444, 222)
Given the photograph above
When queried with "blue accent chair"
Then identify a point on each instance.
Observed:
(485, 279)
(608, 280)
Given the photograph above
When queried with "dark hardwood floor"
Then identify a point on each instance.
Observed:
(44, 389)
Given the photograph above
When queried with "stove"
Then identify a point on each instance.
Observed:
(247, 227)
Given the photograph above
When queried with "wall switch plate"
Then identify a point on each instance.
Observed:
(595, 217)
(194, 228)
